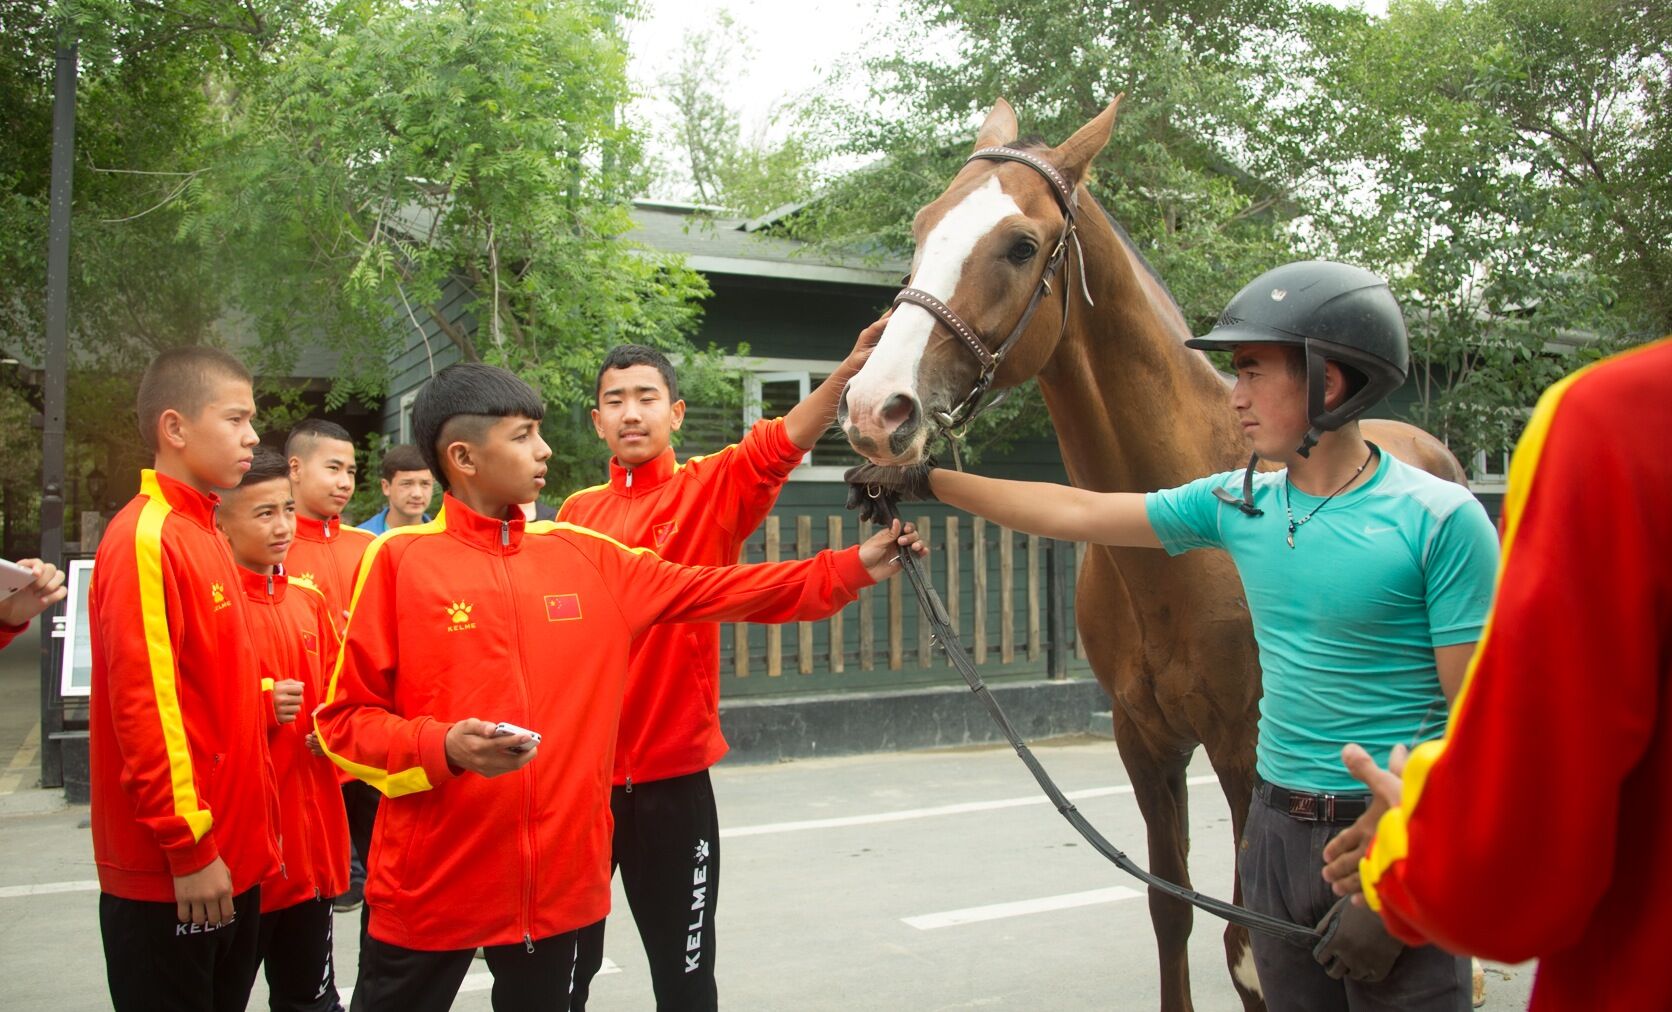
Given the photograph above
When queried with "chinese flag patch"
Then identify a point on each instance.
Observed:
(563, 607)
(310, 642)
(663, 531)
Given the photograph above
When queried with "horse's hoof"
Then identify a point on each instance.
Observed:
(1477, 975)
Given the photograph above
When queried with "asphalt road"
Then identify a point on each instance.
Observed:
(917, 881)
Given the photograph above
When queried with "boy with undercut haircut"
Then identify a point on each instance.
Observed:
(326, 553)
(295, 641)
(184, 827)
(487, 837)
(697, 513)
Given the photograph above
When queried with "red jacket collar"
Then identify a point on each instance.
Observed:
(494, 534)
(309, 529)
(648, 475)
(261, 587)
(181, 497)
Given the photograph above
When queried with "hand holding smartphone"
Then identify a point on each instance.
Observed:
(504, 728)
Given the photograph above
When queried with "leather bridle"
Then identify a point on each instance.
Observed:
(953, 423)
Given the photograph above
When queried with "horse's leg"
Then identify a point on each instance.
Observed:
(1157, 773)
(1234, 765)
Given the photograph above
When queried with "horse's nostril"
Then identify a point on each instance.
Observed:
(899, 410)
(842, 406)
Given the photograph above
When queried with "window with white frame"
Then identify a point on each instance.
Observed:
(771, 387)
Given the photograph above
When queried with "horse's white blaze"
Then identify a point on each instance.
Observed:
(1245, 973)
(892, 367)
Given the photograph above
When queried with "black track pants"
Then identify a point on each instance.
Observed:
(667, 845)
(397, 979)
(295, 952)
(156, 964)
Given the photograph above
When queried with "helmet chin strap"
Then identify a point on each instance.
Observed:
(1246, 503)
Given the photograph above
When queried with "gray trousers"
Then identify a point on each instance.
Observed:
(1281, 868)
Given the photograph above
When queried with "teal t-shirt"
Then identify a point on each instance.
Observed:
(1348, 619)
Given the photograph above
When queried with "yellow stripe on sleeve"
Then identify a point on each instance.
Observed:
(159, 648)
(391, 784)
(1391, 834)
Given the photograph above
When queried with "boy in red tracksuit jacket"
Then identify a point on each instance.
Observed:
(502, 840)
(296, 642)
(327, 553)
(667, 827)
(1538, 826)
(184, 829)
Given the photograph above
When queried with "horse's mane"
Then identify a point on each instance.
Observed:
(1126, 237)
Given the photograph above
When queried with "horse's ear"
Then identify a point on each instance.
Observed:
(1073, 156)
(999, 128)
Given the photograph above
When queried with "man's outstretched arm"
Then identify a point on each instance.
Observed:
(1032, 507)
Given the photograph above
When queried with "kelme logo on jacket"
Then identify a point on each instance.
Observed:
(563, 607)
(663, 531)
(458, 614)
(218, 593)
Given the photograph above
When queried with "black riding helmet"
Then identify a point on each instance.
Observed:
(1336, 312)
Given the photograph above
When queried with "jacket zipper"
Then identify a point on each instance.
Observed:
(267, 618)
(629, 476)
(527, 780)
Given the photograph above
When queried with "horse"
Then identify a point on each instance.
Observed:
(1170, 639)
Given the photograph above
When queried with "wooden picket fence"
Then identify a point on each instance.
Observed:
(1006, 593)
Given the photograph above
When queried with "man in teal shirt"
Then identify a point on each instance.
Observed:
(1368, 582)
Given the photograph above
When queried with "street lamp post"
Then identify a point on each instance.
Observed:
(54, 385)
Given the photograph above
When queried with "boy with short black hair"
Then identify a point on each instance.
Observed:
(697, 513)
(296, 644)
(183, 824)
(322, 470)
(407, 487)
(326, 553)
(480, 614)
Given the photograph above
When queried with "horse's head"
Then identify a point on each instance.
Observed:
(982, 249)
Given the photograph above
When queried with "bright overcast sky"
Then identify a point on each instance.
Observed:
(794, 45)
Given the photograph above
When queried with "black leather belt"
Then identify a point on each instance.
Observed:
(1306, 807)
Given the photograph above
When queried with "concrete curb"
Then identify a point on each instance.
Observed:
(801, 727)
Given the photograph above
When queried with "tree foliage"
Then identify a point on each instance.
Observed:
(1519, 161)
(717, 162)
(1505, 162)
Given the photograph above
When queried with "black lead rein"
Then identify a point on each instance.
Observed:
(935, 611)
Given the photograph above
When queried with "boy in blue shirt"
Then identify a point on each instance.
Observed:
(1368, 582)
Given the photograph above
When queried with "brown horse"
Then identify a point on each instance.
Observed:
(1169, 638)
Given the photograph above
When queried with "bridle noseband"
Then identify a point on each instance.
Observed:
(953, 423)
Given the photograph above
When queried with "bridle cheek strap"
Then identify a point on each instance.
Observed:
(952, 422)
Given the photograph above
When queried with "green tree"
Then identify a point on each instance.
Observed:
(403, 147)
(717, 163)
(1519, 154)
(152, 79)
(1203, 166)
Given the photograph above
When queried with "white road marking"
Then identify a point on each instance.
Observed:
(1019, 908)
(47, 888)
(905, 815)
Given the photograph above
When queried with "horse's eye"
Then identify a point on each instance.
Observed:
(1022, 251)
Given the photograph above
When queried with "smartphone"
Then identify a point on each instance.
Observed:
(13, 578)
(503, 728)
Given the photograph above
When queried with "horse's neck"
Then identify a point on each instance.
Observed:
(1134, 409)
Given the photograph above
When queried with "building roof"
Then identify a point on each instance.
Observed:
(713, 243)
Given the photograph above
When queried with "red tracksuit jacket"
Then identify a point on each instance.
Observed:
(180, 769)
(11, 632)
(327, 553)
(475, 616)
(1539, 826)
(698, 513)
(293, 637)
